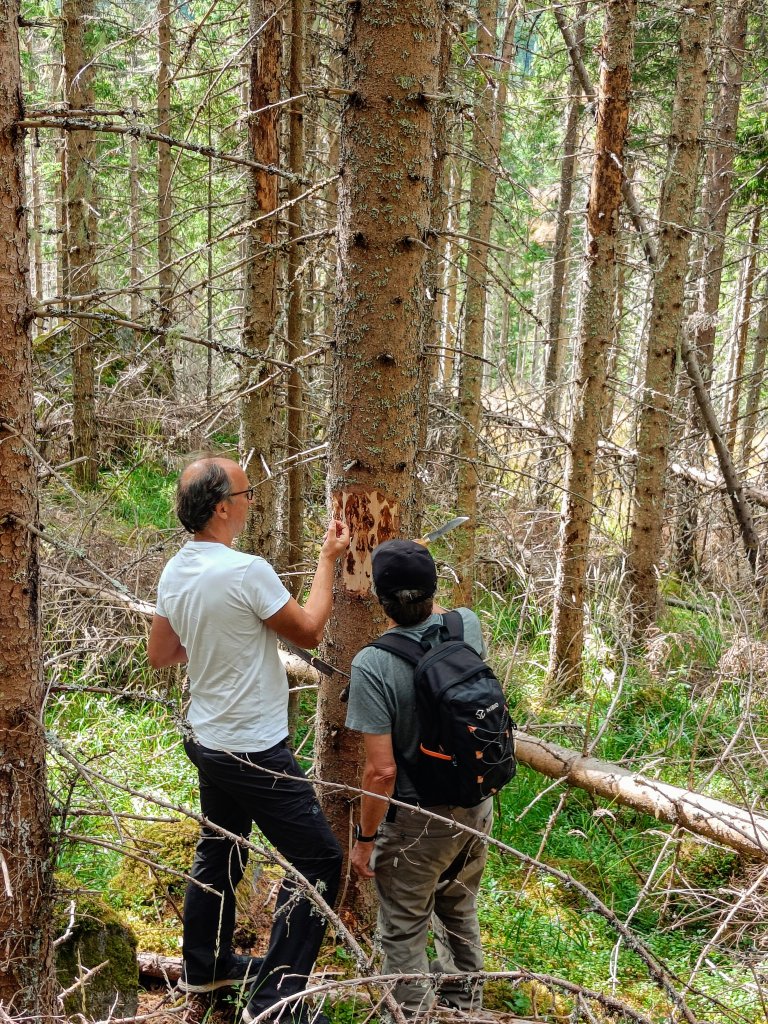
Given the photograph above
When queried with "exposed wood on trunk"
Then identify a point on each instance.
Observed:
(633, 206)
(717, 820)
(383, 322)
(595, 340)
(676, 211)
(27, 979)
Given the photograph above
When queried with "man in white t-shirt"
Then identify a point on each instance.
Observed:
(220, 611)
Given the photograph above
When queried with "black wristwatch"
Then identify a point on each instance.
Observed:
(360, 838)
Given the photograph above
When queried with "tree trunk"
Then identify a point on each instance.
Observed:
(675, 220)
(27, 980)
(556, 342)
(82, 277)
(134, 221)
(716, 205)
(34, 177)
(165, 274)
(450, 338)
(756, 379)
(259, 415)
(736, 827)
(479, 220)
(383, 322)
(734, 486)
(718, 191)
(595, 339)
(295, 390)
(742, 335)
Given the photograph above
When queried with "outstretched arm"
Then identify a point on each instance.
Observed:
(304, 625)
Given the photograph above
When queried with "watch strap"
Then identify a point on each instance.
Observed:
(360, 838)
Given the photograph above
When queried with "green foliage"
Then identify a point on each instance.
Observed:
(751, 158)
(143, 496)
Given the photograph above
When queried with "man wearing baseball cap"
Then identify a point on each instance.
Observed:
(427, 871)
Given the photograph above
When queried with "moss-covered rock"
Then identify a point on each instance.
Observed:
(166, 849)
(94, 935)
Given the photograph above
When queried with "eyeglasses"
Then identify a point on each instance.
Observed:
(249, 491)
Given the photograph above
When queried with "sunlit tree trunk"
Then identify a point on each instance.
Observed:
(676, 211)
(716, 204)
(165, 274)
(259, 413)
(82, 277)
(479, 221)
(556, 340)
(295, 390)
(595, 338)
(27, 980)
(756, 379)
(742, 334)
(450, 337)
(383, 322)
(718, 178)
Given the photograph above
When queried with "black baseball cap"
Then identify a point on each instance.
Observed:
(403, 565)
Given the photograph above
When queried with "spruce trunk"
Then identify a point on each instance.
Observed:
(382, 326)
(27, 980)
(595, 340)
(676, 212)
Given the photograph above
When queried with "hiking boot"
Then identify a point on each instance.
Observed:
(289, 1013)
(235, 970)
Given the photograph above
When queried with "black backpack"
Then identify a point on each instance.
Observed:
(466, 742)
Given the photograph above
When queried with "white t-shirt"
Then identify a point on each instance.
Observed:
(216, 599)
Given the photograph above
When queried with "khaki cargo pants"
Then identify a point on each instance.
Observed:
(428, 872)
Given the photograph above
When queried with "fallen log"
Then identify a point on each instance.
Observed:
(732, 826)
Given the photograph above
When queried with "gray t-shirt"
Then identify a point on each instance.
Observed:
(382, 698)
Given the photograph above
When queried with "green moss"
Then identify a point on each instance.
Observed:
(706, 866)
(148, 882)
(96, 935)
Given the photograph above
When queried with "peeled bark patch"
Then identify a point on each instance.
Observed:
(372, 517)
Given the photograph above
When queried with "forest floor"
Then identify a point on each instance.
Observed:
(691, 711)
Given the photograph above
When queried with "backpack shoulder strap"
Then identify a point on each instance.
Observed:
(454, 623)
(403, 646)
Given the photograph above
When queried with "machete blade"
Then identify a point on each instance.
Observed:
(313, 660)
(441, 531)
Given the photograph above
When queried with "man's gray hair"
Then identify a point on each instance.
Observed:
(198, 496)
